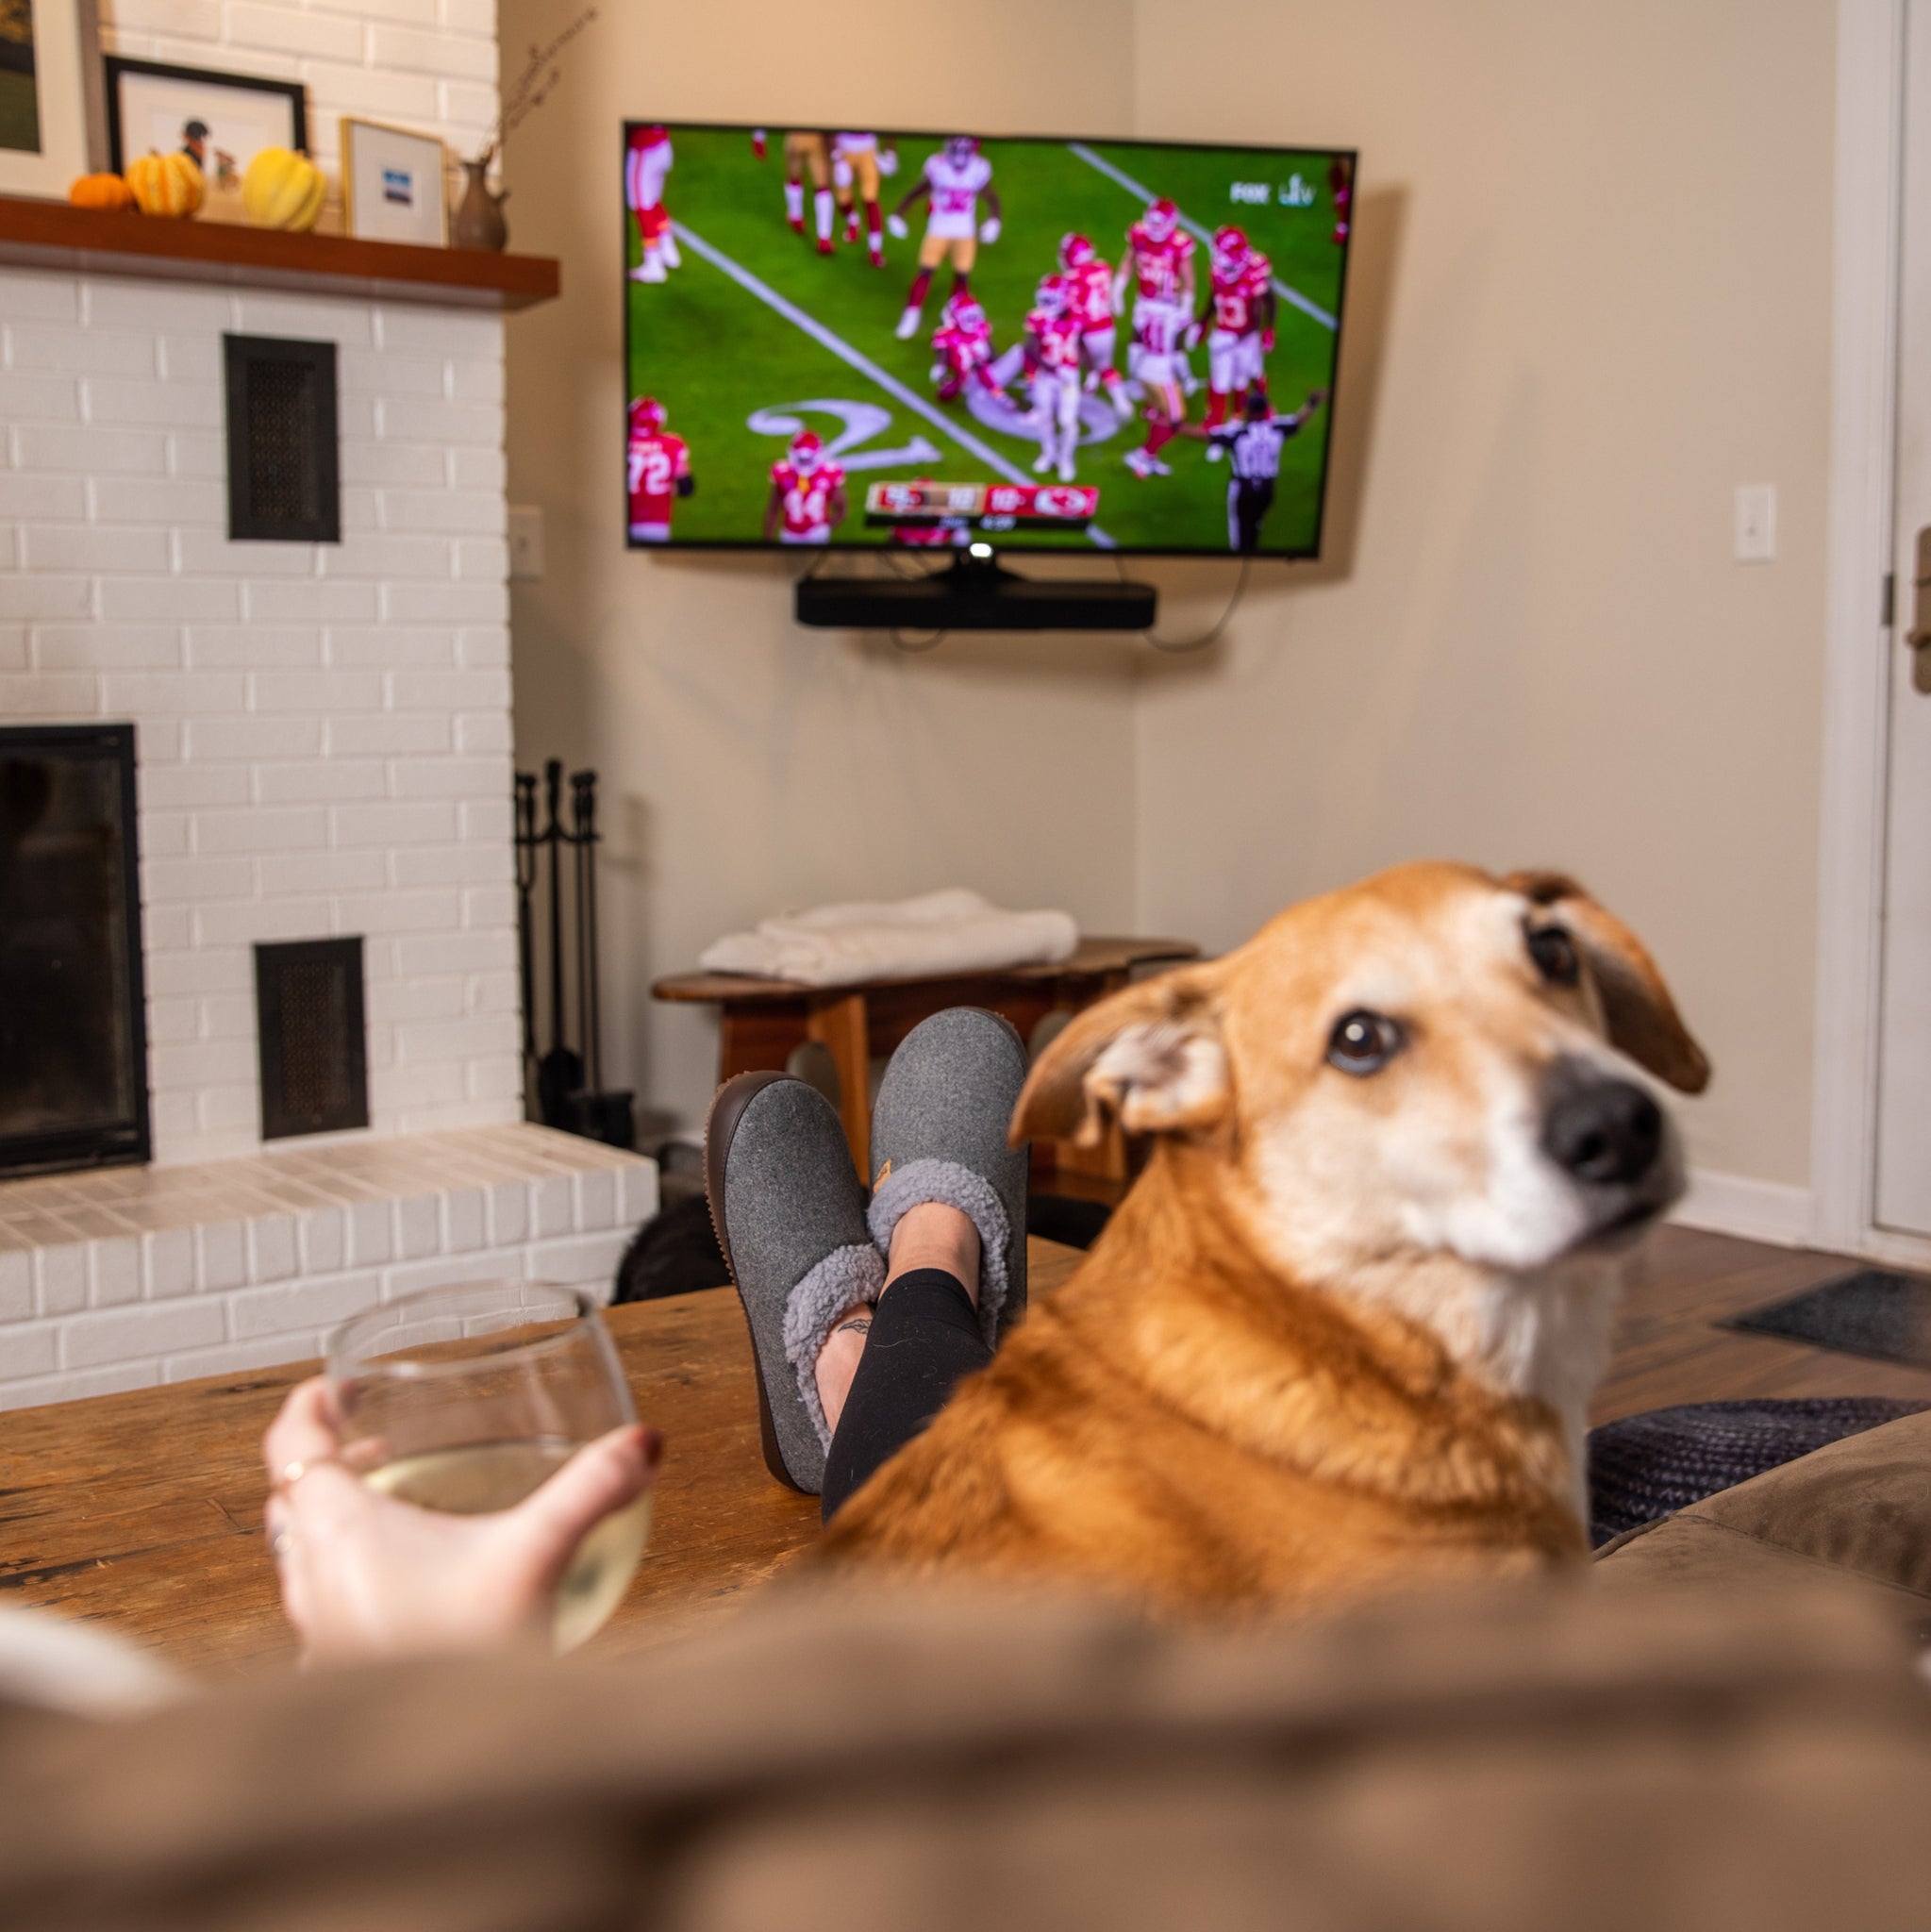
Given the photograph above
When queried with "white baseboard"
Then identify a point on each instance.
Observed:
(1757, 1210)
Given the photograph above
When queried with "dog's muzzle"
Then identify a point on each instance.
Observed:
(1611, 1138)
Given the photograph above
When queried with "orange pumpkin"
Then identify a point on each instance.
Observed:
(101, 190)
(166, 184)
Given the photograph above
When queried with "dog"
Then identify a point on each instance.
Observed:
(1341, 1336)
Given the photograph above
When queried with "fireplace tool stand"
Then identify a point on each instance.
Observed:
(563, 1082)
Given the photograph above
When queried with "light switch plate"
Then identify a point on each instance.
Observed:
(1756, 522)
(525, 542)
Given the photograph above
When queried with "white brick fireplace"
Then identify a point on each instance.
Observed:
(323, 746)
(322, 729)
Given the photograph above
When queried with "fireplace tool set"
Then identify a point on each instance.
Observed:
(564, 1083)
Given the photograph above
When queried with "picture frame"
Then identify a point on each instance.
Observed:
(394, 185)
(153, 108)
(51, 109)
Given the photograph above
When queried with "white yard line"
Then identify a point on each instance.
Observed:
(857, 359)
(1193, 229)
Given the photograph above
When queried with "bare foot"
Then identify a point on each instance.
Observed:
(935, 1236)
(838, 1360)
(929, 1236)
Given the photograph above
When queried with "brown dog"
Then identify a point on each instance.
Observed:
(1342, 1334)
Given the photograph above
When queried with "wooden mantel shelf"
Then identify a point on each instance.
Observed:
(51, 234)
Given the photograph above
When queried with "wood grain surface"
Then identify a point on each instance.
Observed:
(143, 1512)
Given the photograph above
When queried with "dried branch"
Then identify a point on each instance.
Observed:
(531, 88)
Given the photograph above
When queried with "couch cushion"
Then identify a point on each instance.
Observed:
(1861, 1507)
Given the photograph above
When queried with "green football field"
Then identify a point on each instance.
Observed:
(718, 350)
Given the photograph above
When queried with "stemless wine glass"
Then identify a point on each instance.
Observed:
(465, 1398)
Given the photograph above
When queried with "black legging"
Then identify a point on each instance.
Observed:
(924, 1336)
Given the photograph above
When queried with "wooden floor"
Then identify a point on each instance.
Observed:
(1668, 1350)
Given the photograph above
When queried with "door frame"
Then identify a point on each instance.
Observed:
(1859, 645)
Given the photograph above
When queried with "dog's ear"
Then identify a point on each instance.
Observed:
(1637, 1007)
(1149, 1057)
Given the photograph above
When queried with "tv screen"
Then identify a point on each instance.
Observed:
(924, 341)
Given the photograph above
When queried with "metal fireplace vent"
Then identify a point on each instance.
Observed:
(314, 1047)
(284, 468)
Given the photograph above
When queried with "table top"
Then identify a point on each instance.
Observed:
(1096, 956)
(143, 1511)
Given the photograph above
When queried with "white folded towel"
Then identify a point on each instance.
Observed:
(953, 931)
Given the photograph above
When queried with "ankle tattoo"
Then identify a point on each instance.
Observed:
(859, 1324)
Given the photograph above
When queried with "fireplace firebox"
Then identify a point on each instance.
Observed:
(73, 1032)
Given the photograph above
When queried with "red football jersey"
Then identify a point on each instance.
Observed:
(806, 498)
(1090, 294)
(961, 349)
(657, 459)
(1159, 266)
(1053, 340)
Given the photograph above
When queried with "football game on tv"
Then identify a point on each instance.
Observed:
(937, 340)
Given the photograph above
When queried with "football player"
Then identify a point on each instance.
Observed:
(952, 180)
(1238, 314)
(807, 494)
(808, 152)
(1340, 184)
(659, 464)
(1052, 366)
(858, 161)
(1090, 301)
(1159, 266)
(962, 344)
(1160, 326)
(646, 162)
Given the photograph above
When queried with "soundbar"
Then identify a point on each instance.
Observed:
(971, 595)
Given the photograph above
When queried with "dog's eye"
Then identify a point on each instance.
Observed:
(1364, 1042)
(1554, 954)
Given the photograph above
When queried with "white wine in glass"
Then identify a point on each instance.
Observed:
(465, 1399)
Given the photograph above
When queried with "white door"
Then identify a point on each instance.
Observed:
(1903, 1084)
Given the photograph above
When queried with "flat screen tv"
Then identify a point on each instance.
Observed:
(928, 340)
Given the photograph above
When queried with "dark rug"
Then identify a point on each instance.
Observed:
(675, 1252)
(1872, 1312)
(1647, 1466)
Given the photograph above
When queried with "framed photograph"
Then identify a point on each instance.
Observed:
(223, 120)
(394, 184)
(50, 96)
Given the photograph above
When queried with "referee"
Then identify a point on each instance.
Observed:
(1254, 444)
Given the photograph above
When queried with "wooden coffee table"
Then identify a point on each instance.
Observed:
(765, 1021)
(142, 1513)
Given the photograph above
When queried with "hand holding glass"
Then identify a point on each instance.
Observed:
(466, 1399)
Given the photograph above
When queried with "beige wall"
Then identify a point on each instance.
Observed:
(1592, 296)
(751, 765)
(1608, 303)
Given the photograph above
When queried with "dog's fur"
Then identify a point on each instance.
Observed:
(1342, 1334)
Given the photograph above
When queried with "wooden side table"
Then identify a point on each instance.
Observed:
(765, 1021)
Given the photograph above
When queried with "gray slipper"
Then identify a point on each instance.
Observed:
(939, 1134)
(789, 1216)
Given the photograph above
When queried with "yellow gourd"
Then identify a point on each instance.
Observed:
(101, 190)
(166, 184)
(282, 189)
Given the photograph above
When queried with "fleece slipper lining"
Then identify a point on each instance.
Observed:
(974, 1196)
(843, 1278)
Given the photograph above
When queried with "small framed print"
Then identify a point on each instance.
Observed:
(394, 184)
(221, 121)
(50, 95)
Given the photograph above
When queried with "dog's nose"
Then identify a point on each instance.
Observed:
(1607, 1132)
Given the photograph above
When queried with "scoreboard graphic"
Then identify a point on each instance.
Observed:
(981, 506)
